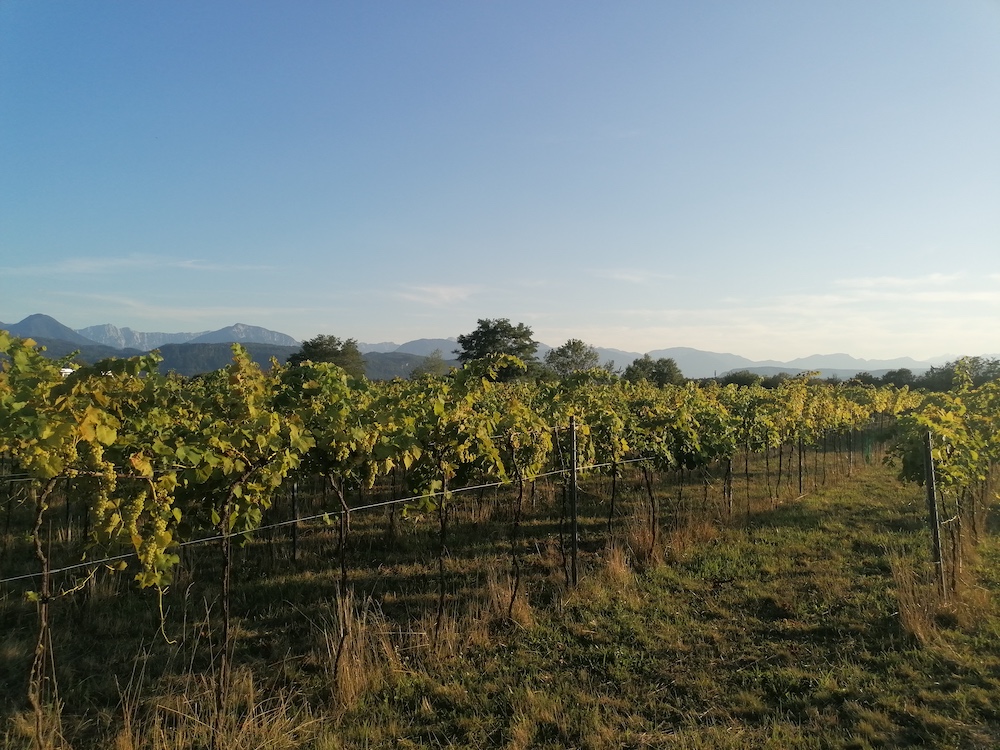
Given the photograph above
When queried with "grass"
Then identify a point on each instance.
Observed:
(809, 623)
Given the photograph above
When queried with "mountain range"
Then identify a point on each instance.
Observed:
(126, 338)
(191, 353)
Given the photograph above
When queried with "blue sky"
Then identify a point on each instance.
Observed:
(773, 179)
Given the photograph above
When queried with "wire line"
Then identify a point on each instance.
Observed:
(318, 516)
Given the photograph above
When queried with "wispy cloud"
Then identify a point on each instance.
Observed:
(202, 265)
(123, 264)
(73, 266)
(874, 317)
(144, 309)
(935, 288)
(438, 295)
(630, 275)
(957, 296)
(897, 282)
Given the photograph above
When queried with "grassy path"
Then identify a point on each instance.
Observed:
(785, 633)
(782, 633)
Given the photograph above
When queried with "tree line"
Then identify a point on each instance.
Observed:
(497, 337)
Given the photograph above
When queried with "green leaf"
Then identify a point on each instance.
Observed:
(106, 435)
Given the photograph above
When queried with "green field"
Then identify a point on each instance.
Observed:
(807, 623)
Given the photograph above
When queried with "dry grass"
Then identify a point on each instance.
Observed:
(641, 547)
(501, 603)
(433, 640)
(356, 650)
(917, 598)
(532, 708)
(691, 535)
(550, 558)
(253, 718)
(923, 611)
(22, 733)
(617, 565)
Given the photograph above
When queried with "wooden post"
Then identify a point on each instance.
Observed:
(442, 551)
(574, 528)
(850, 452)
(295, 518)
(800, 465)
(727, 487)
(933, 517)
(614, 492)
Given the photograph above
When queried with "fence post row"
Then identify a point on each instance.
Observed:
(295, 523)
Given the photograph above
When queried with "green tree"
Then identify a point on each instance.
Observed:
(741, 377)
(662, 371)
(434, 364)
(899, 378)
(773, 381)
(865, 378)
(573, 356)
(324, 348)
(497, 336)
(981, 369)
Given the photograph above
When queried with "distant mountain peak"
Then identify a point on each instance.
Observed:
(847, 362)
(240, 333)
(380, 348)
(39, 326)
(125, 338)
(424, 347)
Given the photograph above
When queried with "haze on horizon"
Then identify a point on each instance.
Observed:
(772, 179)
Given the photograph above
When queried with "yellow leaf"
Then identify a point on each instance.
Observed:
(106, 435)
(141, 464)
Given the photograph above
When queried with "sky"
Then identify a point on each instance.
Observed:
(771, 179)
